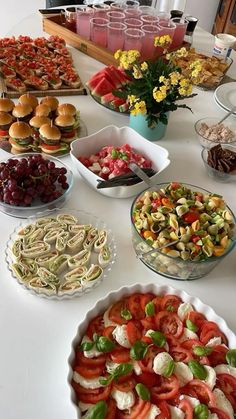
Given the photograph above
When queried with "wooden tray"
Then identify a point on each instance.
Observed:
(54, 26)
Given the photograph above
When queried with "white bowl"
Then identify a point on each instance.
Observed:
(102, 305)
(112, 135)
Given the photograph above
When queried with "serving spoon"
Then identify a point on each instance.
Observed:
(227, 115)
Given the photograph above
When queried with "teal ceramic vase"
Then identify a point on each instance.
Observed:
(139, 124)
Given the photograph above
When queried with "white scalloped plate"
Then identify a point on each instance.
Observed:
(84, 218)
(102, 305)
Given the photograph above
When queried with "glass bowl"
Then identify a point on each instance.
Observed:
(37, 205)
(49, 291)
(217, 174)
(207, 142)
(171, 266)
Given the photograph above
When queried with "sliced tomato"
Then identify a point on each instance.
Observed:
(210, 330)
(227, 383)
(165, 411)
(200, 390)
(95, 326)
(148, 379)
(90, 362)
(111, 409)
(92, 397)
(89, 372)
(51, 146)
(82, 390)
(218, 355)
(169, 323)
(190, 343)
(146, 364)
(157, 302)
(179, 353)
(126, 386)
(135, 412)
(220, 413)
(186, 406)
(190, 216)
(148, 323)
(134, 331)
(108, 332)
(171, 302)
(166, 390)
(3, 133)
(120, 355)
(146, 298)
(116, 310)
(197, 318)
(134, 305)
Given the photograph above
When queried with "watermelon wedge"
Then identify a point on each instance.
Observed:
(109, 97)
(124, 107)
(119, 74)
(118, 101)
(103, 87)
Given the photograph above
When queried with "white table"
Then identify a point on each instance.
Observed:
(36, 334)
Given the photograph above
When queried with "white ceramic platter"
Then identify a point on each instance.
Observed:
(225, 96)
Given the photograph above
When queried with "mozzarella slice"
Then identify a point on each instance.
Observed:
(111, 366)
(161, 362)
(184, 309)
(91, 383)
(136, 367)
(124, 400)
(211, 377)
(225, 369)
(92, 353)
(120, 335)
(192, 400)
(85, 406)
(183, 373)
(153, 412)
(223, 403)
(214, 341)
(188, 334)
(176, 413)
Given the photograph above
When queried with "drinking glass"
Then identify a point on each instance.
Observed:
(167, 28)
(132, 4)
(83, 16)
(98, 30)
(148, 10)
(120, 7)
(163, 16)
(100, 10)
(132, 12)
(149, 20)
(70, 18)
(133, 23)
(148, 51)
(133, 39)
(116, 36)
(115, 16)
(180, 30)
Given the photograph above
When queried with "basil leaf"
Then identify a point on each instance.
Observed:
(169, 369)
(170, 307)
(86, 346)
(158, 338)
(105, 381)
(104, 344)
(126, 314)
(231, 357)
(202, 350)
(138, 350)
(198, 370)
(98, 411)
(121, 370)
(191, 326)
(142, 391)
(150, 309)
(200, 411)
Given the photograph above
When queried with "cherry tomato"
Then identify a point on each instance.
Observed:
(169, 323)
(186, 406)
(217, 356)
(120, 355)
(175, 185)
(89, 372)
(116, 310)
(156, 203)
(95, 326)
(170, 301)
(126, 386)
(220, 413)
(134, 331)
(134, 305)
(149, 379)
(227, 383)
(191, 216)
(90, 362)
(166, 390)
(200, 390)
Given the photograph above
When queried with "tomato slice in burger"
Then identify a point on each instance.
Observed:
(169, 323)
(166, 390)
(51, 146)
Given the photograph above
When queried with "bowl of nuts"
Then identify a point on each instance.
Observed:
(210, 132)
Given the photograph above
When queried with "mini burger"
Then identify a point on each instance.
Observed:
(20, 137)
(42, 110)
(28, 99)
(52, 102)
(66, 125)
(22, 112)
(36, 122)
(5, 123)
(50, 139)
(6, 105)
(66, 109)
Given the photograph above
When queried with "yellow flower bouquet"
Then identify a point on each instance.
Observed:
(157, 87)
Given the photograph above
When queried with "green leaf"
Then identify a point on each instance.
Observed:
(138, 350)
(231, 357)
(105, 381)
(98, 411)
(198, 370)
(121, 370)
(104, 344)
(200, 411)
(191, 326)
(202, 350)
(150, 309)
(142, 391)
(170, 308)
(169, 369)
(86, 346)
(126, 314)
(158, 338)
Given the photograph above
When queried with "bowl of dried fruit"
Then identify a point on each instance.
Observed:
(220, 162)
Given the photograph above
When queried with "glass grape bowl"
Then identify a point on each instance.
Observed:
(60, 189)
(173, 267)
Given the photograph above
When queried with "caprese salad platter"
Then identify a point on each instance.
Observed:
(39, 65)
(152, 352)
